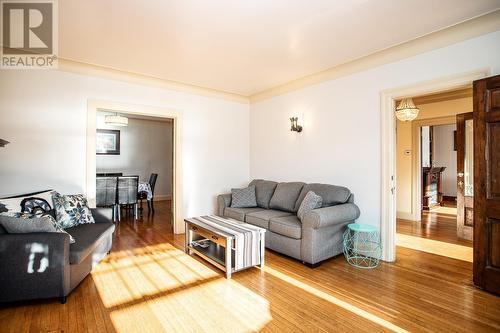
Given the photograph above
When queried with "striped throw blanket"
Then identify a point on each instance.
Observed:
(246, 238)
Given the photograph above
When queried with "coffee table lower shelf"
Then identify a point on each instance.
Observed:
(214, 254)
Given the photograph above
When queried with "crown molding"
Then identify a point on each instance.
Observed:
(73, 66)
(443, 96)
(462, 31)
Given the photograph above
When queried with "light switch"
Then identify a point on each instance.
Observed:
(407, 152)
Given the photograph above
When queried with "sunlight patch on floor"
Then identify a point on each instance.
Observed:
(449, 250)
(334, 300)
(126, 276)
(160, 288)
(217, 306)
(444, 210)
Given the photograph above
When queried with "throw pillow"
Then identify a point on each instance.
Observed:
(13, 204)
(71, 210)
(243, 197)
(311, 201)
(34, 205)
(21, 223)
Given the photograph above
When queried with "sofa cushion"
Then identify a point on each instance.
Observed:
(285, 196)
(243, 197)
(264, 190)
(261, 218)
(239, 213)
(288, 226)
(331, 194)
(88, 237)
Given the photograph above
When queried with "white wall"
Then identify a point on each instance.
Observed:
(43, 114)
(146, 147)
(444, 155)
(340, 143)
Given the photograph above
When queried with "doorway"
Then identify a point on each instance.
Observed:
(94, 106)
(388, 147)
(134, 163)
(426, 167)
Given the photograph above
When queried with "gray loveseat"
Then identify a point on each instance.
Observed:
(317, 237)
(46, 265)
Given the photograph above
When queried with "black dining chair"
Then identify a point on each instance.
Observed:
(106, 196)
(127, 194)
(144, 195)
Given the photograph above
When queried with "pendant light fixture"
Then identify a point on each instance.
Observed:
(116, 120)
(406, 110)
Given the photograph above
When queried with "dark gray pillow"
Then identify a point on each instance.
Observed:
(311, 201)
(264, 190)
(22, 223)
(285, 196)
(243, 197)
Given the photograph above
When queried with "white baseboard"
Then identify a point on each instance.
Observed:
(404, 216)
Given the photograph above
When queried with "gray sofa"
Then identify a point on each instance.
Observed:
(317, 237)
(22, 256)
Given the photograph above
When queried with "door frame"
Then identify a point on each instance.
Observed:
(388, 147)
(463, 231)
(93, 106)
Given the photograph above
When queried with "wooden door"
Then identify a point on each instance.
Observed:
(465, 176)
(487, 184)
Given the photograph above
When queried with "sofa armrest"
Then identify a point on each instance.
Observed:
(328, 216)
(223, 201)
(34, 265)
(102, 214)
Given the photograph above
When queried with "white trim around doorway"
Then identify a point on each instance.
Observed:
(388, 148)
(98, 105)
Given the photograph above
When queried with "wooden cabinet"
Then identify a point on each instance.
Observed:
(432, 191)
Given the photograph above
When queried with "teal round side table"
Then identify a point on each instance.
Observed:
(362, 247)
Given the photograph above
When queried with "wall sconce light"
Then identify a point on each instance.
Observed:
(294, 126)
(3, 143)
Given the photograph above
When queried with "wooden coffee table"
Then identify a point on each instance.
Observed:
(228, 244)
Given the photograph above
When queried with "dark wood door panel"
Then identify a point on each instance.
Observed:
(493, 98)
(493, 160)
(494, 245)
(487, 184)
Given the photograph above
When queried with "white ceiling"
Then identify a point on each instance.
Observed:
(245, 46)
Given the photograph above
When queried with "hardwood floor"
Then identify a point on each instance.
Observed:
(148, 284)
(436, 226)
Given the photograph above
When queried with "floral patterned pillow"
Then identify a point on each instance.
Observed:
(71, 210)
